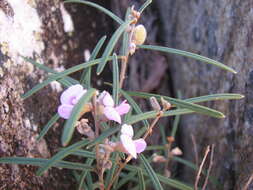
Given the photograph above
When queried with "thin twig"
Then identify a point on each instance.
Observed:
(100, 171)
(150, 129)
(201, 167)
(122, 165)
(123, 71)
(209, 168)
(248, 183)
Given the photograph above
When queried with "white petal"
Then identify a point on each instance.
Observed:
(112, 114)
(129, 145)
(107, 100)
(127, 130)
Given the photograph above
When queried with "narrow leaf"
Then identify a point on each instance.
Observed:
(135, 106)
(110, 46)
(66, 81)
(142, 185)
(109, 13)
(60, 155)
(84, 174)
(188, 54)
(115, 74)
(86, 75)
(154, 178)
(125, 179)
(50, 123)
(75, 115)
(182, 104)
(145, 5)
(215, 97)
(61, 75)
(41, 161)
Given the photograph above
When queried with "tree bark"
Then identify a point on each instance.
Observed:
(221, 30)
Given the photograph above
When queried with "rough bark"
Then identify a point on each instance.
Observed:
(221, 30)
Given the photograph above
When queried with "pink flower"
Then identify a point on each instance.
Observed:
(131, 146)
(111, 112)
(69, 98)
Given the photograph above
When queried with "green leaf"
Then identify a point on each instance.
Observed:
(110, 46)
(154, 178)
(174, 183)
(60, 155)
(125, 40)
(215, 97)
(135, 106)
(145, 5)
(41, 161)
(84, 174)
(142, 185)
(110, 173)
(139, 117)
(61, 75)
(66, 81)
(182, 104)
(50, 123)
(86, 75)
(188, 54)
(115, 74)
(126, 178)
(75, 115)
(109, 13)
(84, 153)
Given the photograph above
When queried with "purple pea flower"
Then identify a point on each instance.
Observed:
(69, 98)
(131, 146)
(109, 111)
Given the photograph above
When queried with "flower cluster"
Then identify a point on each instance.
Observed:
(106, 111)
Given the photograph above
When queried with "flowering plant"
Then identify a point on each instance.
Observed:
(109, 128)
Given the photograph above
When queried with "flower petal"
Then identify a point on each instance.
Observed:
(123, 108)
(140, 145)
(107, 99)
(65, 110)
(71, 93)
(127, 130)
(129, 145)
(112, 114)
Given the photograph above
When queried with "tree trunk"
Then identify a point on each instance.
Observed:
(221, 30)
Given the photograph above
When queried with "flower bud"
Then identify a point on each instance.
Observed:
(139, 34)
(176, 151)
(166, 105)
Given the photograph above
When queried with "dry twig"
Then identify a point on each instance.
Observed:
(201, 168)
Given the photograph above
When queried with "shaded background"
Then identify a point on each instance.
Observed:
(221, 30)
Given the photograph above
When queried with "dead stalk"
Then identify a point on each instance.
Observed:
(209, 168)
(201, 168)
(248, 183)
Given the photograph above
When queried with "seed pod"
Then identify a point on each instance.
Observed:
(166, 105)
(154, 103)
(139, 34)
